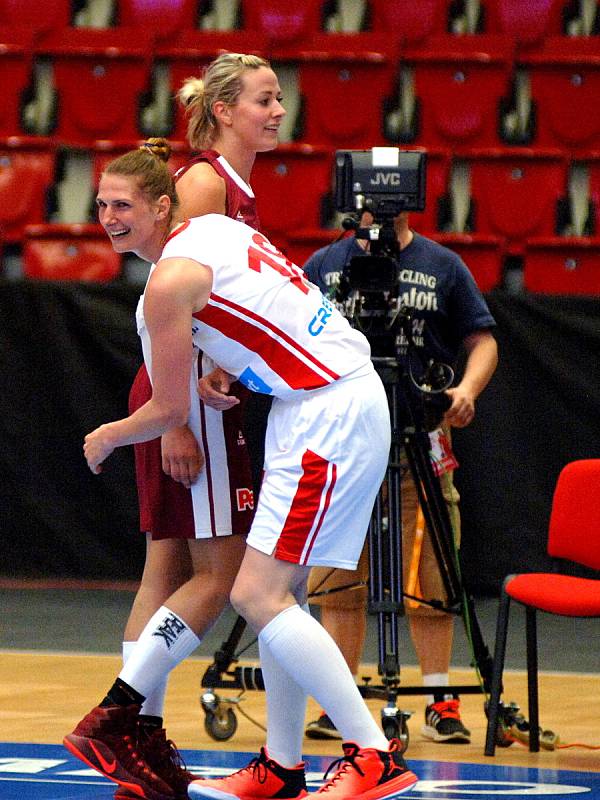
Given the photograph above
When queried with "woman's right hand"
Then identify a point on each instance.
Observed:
(182, 457)
(214, 387)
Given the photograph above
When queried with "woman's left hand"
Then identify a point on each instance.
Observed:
(98, 445)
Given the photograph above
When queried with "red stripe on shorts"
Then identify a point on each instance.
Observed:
(302, 519)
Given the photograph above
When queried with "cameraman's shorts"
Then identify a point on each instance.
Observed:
(430, 580)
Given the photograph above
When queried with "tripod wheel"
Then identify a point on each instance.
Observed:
(396, 728)
(220, 725)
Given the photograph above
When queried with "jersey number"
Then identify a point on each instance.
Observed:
(266, 253)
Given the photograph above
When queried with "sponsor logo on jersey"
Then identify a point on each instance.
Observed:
(254, 382)
(245, 499)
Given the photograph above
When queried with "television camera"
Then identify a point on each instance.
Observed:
(385, 181)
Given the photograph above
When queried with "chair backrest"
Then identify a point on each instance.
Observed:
(575, 519)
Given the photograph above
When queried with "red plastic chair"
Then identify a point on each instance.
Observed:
(344, 82)
(69, 253)
(38, 16)
(100, 76)
(459, 83)
(409, 22)
(562, 265)
(27, 172)
(483, 255)
(437, 177)
(515, 192)
(528, 23)
(565, 86)
(283, 22)
(289, 183)
(16, 61)
(573, 535)
(165, 19)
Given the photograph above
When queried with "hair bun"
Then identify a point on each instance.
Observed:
(159, 147)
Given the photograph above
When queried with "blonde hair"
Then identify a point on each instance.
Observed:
(148, 165)
(221, 80)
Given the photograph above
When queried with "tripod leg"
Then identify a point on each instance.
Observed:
(225, 655)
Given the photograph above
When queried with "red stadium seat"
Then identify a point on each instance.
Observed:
(100, 75)
(289, 184)
(592, 163)
(437, 177)
(409, 22)
(27, 172)
(565, 86)
(567, 265)
(193, 52)
(16, 61)
(283, 22)
(515, 192)
(344, 88)
(39, 16)
(69, 252)
(459, 83)
(483, 255)
(165, 19)
(528, 23)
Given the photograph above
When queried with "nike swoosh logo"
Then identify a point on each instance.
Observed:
(108, 767)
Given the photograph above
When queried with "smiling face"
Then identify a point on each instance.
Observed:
(255, 118)
(133, 223)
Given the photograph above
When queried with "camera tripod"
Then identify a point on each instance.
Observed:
(386, 596)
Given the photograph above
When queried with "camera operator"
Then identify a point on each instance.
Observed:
(446, 312)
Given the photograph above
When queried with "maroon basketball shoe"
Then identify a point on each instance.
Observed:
(105, 740)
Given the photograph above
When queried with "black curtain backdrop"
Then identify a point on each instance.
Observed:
(70, 351)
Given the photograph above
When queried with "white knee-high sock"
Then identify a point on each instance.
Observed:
(286, 708)
(165, 641)
(310, 656)
(154, 703)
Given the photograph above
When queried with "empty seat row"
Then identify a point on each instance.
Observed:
(513, 193)
(102, 85)
(285, 23)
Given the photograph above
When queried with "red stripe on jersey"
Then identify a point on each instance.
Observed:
(277, 331)
(324, 510)
(302, 516)
(289, 366)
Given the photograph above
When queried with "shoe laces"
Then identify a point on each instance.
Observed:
(161, 753)
(343, 766)
(447, 708)
(259, 767)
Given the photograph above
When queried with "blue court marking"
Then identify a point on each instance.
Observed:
(49, 772)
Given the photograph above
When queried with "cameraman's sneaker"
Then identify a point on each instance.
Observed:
(262, 778)
(105, 740)
(165, 760)
(443, 723)
(322, 728)
(368, 774)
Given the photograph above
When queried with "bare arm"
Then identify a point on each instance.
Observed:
(177, 288)
(200, 191)
(482, 358)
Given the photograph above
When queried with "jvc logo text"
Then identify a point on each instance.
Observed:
(386, 179)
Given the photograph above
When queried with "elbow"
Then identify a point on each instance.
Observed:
(174, 416)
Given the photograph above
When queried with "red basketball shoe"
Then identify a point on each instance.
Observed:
(105, 740)
(262, 778)
(368, 774)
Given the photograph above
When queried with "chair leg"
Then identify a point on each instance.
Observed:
(532, 679)
(497, 670)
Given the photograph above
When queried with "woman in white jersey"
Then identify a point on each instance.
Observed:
(195, 486)
(218, 285)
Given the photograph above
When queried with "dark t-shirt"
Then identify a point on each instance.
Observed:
(434, 286)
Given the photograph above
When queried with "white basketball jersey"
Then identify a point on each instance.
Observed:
(264, 322)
